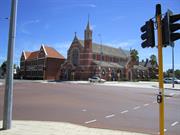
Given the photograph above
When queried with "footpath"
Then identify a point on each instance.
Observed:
(57, 128)
(140, 84)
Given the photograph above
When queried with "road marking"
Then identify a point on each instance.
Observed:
(136, 107)
(167, 97)
(146, 104)
(164, 131)
(172, 94)
(124, 111)
(174, 124)
(109, 116)
(154, 102)
(91, 121)
(84, 110)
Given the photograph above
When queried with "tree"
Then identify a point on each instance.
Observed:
(153, 60)
(3, 68)
(134, 55)
(177, 73)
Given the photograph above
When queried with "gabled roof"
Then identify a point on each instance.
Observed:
(33, 55)
(107, 50)
(26, 54)
(140, 67)
(107, 64)
(49, 51)
(52, 53)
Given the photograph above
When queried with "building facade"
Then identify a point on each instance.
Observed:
(86, 59)
(41, 64)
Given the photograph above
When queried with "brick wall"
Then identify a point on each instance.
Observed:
(52, 67)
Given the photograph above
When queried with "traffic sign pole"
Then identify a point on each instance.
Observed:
(160, 59)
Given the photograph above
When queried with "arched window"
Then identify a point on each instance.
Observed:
(75, 57)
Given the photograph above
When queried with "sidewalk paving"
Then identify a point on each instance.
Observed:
(140, 84)
(57, 128)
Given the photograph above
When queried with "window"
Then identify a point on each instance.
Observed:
(94, 56)
(75, 57)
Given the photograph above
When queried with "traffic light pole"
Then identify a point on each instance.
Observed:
(160, 59)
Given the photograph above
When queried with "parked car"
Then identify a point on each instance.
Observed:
(170, 80)
(96, 79)
(177, 81)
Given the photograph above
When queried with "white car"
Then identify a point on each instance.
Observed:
(177, 81)
(96, 79)
(170, 80)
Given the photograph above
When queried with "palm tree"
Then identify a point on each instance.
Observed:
(153, 60)
(134, 55)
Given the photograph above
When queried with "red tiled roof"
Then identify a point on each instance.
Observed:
(52, 53)
(33, 55)
(27, 54)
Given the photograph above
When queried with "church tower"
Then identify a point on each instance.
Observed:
(88, 38)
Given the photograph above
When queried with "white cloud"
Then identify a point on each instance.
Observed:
(84, 5)
(124, 44)
(31, 22)
(23, 28)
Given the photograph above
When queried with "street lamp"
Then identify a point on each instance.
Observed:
(101, 52)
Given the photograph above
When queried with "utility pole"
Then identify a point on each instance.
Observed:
(173, 65)
(161, 85)
(8, 97)
(101, 54)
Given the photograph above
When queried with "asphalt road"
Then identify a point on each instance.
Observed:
(110, 107)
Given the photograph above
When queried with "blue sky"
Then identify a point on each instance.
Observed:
(53, 22)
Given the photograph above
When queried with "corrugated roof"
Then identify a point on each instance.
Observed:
(107, 50)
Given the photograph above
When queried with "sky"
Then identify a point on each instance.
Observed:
(54, 22)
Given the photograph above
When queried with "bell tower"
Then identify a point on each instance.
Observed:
(88, 37)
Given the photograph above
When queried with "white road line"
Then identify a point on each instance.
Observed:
(146, 104)
(172, 94)
(136, 107)
(84, 110)
(124, 111)
(174, 124)
(91, 121)
(154, 102)
(167, 97)
(109, 116)
(164, 130)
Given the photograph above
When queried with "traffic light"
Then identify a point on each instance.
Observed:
(148, 34)
(170, 28)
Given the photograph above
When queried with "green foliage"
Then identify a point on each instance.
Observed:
(177, 73)
(169, 73)
(4, 65)
(134, 55)
(3, 68)
(153, 60)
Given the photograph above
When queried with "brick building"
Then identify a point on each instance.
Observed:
(86, 59)
(41, 64)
